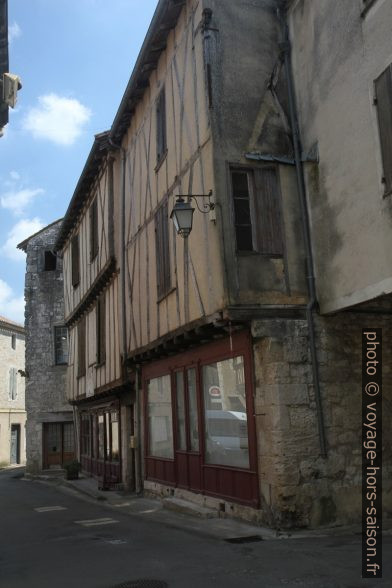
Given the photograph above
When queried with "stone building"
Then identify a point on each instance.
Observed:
(12, 393)
(49, 427)
(204, 367)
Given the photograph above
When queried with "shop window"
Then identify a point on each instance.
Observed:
(225, 417)
(257, 217)
(61, 345)
(159, 411)
(101, 436)
(180, 397)
(114, 436)
(192, 400)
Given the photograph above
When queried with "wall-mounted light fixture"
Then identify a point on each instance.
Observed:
(182, 213)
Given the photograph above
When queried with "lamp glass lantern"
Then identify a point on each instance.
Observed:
(182, 215)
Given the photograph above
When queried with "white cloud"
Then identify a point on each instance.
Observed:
(19, 232)
(57, 119)
(14, 31)
(18, 200)
(11, 306)
(14, 175)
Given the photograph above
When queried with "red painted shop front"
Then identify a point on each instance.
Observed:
(199, 423)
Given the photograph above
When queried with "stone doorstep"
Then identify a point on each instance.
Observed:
(188, 508)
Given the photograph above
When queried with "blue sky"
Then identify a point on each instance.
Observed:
(74, 58)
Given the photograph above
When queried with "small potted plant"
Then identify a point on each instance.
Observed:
(72, 469)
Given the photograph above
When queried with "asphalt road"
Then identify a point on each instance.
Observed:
(49, 538)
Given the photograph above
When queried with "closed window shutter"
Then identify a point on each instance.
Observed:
(12, 393)
(93, 230)
(268, 214)
(82, 347)
(75, 260)
(383, 88)
(161, 125)
(101, 329)
(162, 250)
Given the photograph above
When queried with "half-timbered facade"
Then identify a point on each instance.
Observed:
(198, 365)
(91, 300)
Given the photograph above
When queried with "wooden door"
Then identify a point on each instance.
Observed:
(58, 444)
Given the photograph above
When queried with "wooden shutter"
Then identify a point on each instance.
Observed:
(383, 88)
(162, 250)
(82, 347)
(161, 125)
(268, 223)
(93, 229)
(12, 393)
(75, 260)
(101, 329)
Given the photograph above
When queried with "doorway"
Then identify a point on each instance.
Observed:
(15, 444)
(58, 444)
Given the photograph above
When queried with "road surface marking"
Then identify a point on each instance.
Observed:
(96, 522)
(49, 508)
(122, 504)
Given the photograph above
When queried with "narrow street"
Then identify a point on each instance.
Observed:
(51, 538)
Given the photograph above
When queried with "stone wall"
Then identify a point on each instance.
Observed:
(46, 381)
(298, 487)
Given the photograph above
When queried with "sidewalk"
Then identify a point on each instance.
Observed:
(184, 515)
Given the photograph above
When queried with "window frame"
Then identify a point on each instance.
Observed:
(260, 195)
(56, 355)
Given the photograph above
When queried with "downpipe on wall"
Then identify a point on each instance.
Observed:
(285, 47)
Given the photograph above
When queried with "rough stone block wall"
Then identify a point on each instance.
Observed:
(46, 381)
(299, 487)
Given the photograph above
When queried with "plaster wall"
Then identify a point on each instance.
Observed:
(336, 56)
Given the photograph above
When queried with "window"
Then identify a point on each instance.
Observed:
(159, 410)
(101, 330)
(101, 436)
(50, 261)
(162, 251)
(75, 261)
(226, 426)
(257, 217)
(61, 345)
(114, 436)
(93, 230)
(383, 91)
(13, 341)
(161, 126)
(82, 347)
(13, 384)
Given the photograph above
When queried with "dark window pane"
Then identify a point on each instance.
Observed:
(244, 238)
(240, 184)
(61, 345)
(242, 212)
(75, 260)
(49, 261)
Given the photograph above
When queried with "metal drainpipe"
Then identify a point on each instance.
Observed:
(310, 278)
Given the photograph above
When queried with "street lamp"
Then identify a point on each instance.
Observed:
(182, 213)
